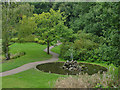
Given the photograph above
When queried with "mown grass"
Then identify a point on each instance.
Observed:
(56, 49)
(31, 78)
(34, 52)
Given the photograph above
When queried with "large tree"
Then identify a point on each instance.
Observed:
(51, 26)
(11, 14)
(26, 27)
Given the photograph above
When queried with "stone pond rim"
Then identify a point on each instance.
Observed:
(56, 68)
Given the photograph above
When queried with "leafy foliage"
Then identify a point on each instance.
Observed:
(51, 26)
(41, 7)
(11, 14)
(80, 47)
(26, 27)
(101, 19)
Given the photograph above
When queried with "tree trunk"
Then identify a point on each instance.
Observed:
(48, 47)
(7, 55)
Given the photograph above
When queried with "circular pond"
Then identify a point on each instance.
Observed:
(56, 67)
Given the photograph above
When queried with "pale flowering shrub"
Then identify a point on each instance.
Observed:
(98, 80)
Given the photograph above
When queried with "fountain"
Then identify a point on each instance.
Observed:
(72, 65)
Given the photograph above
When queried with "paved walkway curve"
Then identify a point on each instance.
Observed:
(31, 65)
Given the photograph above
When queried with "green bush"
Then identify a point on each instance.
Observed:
(88, 47)
(64, 53)
(109, 54)
(36, 39)
(103, 54)
(21, 40)
(29, 38)
(17, 55)
(14, 39)
(41, 42)
(81, 49)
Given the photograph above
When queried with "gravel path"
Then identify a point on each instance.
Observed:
(31, 65)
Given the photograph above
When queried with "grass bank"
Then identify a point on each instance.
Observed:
(31, 78)
(34, 52)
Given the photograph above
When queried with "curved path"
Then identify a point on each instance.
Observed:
(31, 65)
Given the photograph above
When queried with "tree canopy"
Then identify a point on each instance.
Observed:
(51, 26)
(11, 14)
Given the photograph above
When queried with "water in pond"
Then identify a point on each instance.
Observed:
(56, 67)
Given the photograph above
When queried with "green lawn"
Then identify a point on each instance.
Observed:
(34, 52)
(56, 49)
(31, 78)
(0, 50)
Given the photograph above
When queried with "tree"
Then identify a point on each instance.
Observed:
(0, 22)
(41, 7)
(11, 14)
(26, 27)
(7, 21)
(51, 26)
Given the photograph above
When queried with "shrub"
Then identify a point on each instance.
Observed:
(41, 42)
(29, 38)
(14, 39)
(21, 40)
(84, 44)
(36, 39)
(89, 47)
(107, 54)
(65, 53)
(13, 56)
(80, 49)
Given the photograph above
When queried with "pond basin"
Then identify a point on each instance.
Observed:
(56, 67)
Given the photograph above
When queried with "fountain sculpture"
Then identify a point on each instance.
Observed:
(72, 65)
